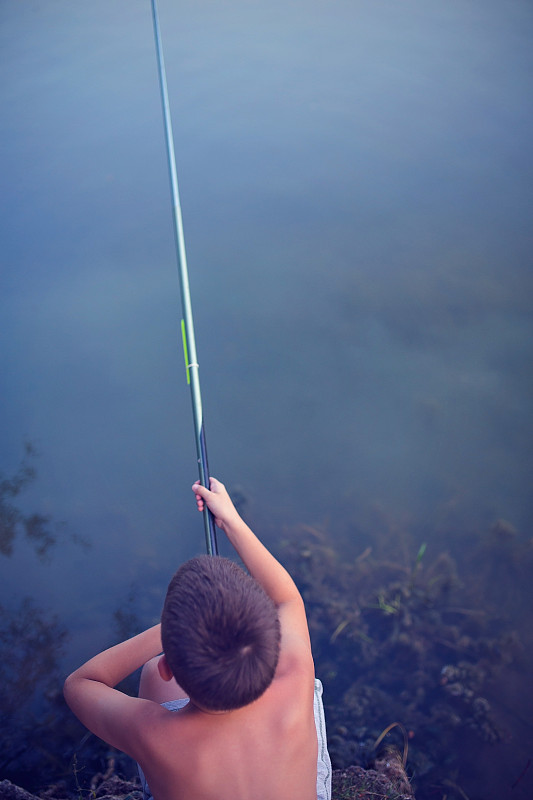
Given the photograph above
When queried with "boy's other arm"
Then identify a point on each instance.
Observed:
(261, 564)
(90, 692)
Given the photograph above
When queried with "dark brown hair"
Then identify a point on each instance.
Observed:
(220, 633)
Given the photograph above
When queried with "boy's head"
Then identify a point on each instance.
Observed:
(220, 633)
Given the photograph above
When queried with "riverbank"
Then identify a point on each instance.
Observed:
(385, 781)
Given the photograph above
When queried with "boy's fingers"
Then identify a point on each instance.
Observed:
(215, 486)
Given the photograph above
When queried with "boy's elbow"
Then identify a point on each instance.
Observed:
(293, 600)
(69, 688)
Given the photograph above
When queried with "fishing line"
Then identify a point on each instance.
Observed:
(187, 325)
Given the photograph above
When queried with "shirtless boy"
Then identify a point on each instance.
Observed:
(244, 720)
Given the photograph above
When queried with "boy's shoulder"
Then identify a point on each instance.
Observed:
(291, 692)
(295, 658)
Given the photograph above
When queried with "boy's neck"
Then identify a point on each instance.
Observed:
(207, 710)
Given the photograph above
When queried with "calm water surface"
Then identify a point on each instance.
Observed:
(356, 189)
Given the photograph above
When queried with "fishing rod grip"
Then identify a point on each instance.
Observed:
(209, 520)
(210, 533)
(201, 449)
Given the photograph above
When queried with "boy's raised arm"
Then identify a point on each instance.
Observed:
(110, 714)
(261, 564)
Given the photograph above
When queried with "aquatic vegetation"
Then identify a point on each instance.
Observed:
(401, 633)
(30, 699)
(12, 520)
(38, 529)
(405, 739)
(34, 723)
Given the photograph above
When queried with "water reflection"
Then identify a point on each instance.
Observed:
(40, 530)
(13, 521)
(36, 728)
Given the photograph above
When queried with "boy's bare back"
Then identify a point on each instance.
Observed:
(262, 751)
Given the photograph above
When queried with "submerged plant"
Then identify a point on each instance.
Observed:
(403, 638)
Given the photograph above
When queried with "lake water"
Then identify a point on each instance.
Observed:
(356, 189)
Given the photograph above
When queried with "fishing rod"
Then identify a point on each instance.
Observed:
(187, 325)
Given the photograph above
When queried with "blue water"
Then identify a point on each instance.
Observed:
(356, 189)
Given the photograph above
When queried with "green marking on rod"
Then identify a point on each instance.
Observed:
(185, 351)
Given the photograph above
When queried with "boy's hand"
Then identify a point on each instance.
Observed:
(218, 502)
(262, 566)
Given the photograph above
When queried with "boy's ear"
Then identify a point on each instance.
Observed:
(164, 670)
